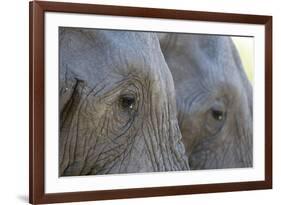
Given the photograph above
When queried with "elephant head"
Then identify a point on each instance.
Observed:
(117, 104)
(214, 100)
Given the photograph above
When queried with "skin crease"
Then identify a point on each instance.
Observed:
(117, 105)
(214, 100)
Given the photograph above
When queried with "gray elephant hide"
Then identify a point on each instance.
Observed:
(117, 104)
(214, 100)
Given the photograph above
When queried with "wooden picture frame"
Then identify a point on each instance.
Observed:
(37, 10)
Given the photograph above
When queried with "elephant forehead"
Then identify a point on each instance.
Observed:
(137, 52)
(92, 54)
(212, 59)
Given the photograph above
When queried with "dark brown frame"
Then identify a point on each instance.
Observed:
(36, 141)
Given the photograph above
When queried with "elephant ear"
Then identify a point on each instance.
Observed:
(245, 81)
(70, 92)
(66, 92)
(68, 80)
(246, 112)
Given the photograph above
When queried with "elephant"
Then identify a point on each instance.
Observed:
(117, 105)
(214, 99)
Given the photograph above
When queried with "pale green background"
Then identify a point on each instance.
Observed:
(245, 47)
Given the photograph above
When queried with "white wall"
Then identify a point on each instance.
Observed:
(14, 100)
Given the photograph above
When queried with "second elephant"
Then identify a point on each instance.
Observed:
(214, 100)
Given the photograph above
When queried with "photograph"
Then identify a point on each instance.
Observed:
(130, 102)
(139, 101)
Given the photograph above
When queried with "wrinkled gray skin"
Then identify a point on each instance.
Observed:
(214, 100)
(117, 105)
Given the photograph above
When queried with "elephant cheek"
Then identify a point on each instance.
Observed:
(163, 139)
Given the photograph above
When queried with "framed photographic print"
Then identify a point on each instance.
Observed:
(139, 102)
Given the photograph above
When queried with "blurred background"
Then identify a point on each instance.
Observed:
(245, 47)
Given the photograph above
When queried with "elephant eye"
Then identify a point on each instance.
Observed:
(127, 102)
(215, 118)
(217, 115)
